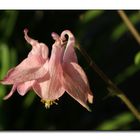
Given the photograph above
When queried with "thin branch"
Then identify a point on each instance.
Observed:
(129, 25)
(112, 87)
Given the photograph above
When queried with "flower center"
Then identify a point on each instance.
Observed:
(48, 103)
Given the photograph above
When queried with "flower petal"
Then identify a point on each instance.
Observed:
(76, 84)
(69, 53)
(11, 92)
(52, 89)
(24, 87)
(29, 69)
(49, 89)
(39, 49)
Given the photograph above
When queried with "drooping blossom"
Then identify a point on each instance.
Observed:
(51, 77)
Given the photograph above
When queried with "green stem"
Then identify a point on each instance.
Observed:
(130, 26)
(119, 93)
(129, 105)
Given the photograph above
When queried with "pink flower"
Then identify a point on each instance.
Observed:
(51, 77)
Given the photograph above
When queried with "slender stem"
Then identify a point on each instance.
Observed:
(129, 25)
(112, 87)
(129, 105)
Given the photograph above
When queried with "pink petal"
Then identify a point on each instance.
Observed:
(11, 92)
(39, 49)
(24, 87)
(49, 89)
(55, 36)
(28, 69)
(69, 53)
(52, 89)
(21, 88)
(76, 84)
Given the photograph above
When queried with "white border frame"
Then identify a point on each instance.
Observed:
(70, 4)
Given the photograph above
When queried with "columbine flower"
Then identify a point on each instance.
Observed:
(51, 77)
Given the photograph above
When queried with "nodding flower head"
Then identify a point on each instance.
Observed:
(51, 77)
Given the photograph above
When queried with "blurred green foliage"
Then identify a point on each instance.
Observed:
(122, 29)
(88, 16)
(106, 39)
(119, 122)
(137, 58)
(7, 24)
(4, 66)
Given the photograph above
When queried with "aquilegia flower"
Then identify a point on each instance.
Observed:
(50, 77)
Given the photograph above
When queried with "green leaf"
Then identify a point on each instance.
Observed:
(129, 71)
(126, 73)
(10, 23)
(122, 28)
(4, 58)
(137, 58)
(5, 62)
(119, 122)
(2, 93)
(90, 15)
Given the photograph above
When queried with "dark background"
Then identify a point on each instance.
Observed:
(107, 41)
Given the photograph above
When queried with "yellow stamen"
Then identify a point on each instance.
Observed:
(48, 103)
